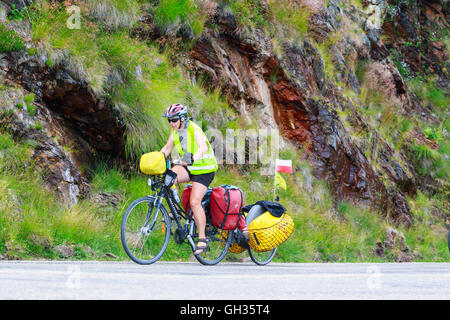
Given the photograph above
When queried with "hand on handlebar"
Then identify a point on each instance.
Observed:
(188, 158)
(179, 162)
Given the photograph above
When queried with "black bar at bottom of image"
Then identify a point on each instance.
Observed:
(217, 309)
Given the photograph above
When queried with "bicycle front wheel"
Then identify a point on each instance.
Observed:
(219, 242)
(262, 258)
(145, 233)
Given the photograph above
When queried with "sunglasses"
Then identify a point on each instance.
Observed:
(173, 119)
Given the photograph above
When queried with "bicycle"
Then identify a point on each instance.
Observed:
(147, 225)
(146, 239)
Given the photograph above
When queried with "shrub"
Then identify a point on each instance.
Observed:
(17, 14)
(432, 134)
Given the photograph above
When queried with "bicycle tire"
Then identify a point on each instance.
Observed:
(134, 233)
(262, 258)
(218, 246)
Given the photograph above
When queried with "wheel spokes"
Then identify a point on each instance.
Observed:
(145, 231)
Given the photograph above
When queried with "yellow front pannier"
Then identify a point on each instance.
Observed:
(153, 163)
(267, 231)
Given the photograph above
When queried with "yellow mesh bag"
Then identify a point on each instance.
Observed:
(153, 163)
(267, 232)
(234, 248)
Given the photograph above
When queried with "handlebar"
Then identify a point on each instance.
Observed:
(176, 162)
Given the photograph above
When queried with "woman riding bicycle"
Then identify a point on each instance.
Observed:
(198, 164)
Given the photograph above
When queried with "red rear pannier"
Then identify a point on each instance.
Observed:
(226, 204)
(185, 197)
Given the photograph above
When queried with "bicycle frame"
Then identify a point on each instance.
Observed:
(157, 215)
(177, 212)
(160, 185)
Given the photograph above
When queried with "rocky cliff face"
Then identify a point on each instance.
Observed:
(411, 29)
(289, 87)
(71, 124)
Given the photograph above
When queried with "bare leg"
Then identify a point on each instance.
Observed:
(197, 193)
(182, 174)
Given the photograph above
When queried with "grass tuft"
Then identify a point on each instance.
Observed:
(10, 40)
(173, 15)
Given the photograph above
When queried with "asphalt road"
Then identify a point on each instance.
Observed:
(45, 280)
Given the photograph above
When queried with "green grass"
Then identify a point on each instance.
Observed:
(15, 157)
(6, 142)
(397, 58)
(17, 14)
(382, 115)
(10, 40)
(114, 14)
(143, 82)
(291, 16)
(324, 49)
(284, 20)
(32, 223)
(180, 12)
(248, 13)
(428, 234)
(428, 92)
(108, 179)
(430, 161)
(78, 43)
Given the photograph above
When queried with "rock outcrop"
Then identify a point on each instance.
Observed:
(292, 90)
(69, 125)
(412, 31)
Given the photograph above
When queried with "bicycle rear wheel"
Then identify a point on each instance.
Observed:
(262, 258)
(219, 242)
(145, 234)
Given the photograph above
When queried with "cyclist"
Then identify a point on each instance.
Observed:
(198, 164)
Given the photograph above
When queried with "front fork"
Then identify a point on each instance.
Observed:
(148, 227)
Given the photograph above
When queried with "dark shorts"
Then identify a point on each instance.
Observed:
(205, 179)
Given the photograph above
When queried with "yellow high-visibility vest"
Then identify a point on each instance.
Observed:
(206, 164)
